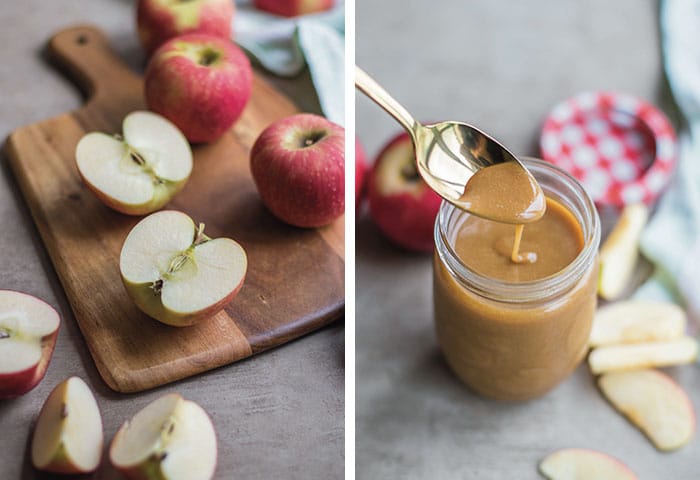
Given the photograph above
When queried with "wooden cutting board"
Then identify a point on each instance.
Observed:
(295, 279)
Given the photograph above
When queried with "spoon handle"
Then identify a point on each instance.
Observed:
(376, 93)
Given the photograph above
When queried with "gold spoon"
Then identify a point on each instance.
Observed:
(448, 154)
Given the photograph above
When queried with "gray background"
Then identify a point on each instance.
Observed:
(277, 415)
(501, 66)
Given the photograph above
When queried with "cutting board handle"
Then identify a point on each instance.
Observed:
(85, 54)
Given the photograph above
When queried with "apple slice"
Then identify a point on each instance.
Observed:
(171, 438)
(68, 435)
(142, 171)
(655, 403)
(643, 355)
(618, 255)
(637, 321)
(175, 273)
(584, 464)
(28, 331)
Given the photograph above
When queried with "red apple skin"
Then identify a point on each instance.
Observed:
(361, 171)
(292, 8)
(203, 101)
(407, 215)
(301, 185)
(157, 21)
(18, 383)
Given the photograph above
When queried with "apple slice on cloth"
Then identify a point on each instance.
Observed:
(584, 464)
(171, 438)
(142, 171)
(619, 254)
(175, 273)
(68, 435)
(28, 331)
(637, 321)
(655, 403)
(643, 355)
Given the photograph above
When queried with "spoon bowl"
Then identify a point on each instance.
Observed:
(449, 154)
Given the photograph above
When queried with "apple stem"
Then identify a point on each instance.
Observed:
(199, 237)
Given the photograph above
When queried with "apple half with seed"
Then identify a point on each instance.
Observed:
(28, 331)
(171, 438)
(140, 171)
(68, 435)
(655, 403)
(583, 463)
(175, 273)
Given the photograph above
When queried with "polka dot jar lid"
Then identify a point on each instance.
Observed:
(622, 149)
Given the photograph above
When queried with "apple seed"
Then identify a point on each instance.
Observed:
(4, 334)
(64, 410)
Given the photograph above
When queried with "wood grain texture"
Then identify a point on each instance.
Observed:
(295, 280)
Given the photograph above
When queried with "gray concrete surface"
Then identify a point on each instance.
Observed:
(500, 65)
(277, 415)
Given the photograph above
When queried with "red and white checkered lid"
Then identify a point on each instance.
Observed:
(622, 149)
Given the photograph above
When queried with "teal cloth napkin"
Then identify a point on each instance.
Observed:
(671, 241)
(285, 46)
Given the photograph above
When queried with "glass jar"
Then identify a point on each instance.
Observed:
(515, 341)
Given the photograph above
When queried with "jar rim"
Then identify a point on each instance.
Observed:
(533, 290)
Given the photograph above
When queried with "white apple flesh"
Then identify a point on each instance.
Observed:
(68, 435)
(142, 171)
(584, 464)
(618, 255)
(653, 402)
(175, 273)
(636, 321)
(28, 331)
(171, 438)
(643, 355)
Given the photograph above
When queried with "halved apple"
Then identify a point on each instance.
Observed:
(28, 331)
(175, 273)
(68, 435)
(139, 172)
(643, 355)
(637, 321)
(618, 255)
(655, 403)
(582, 463)
(171, 438)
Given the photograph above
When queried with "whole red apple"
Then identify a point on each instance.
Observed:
(160, 20)
(400, 202)
(298, 164)
(292, 8)
(361, 170)
(200, 83)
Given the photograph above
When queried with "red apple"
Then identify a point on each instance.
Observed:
(400, 202)
(160, 20)
(199, 82)
(298, 164)
(292, 8)
(28, 331)
(361, 170)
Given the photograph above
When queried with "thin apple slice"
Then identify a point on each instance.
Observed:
(636, 321)
(68, 435)
(171, 438)
(584, 464)
(618, 255)
(655, 403)
(643, 355)
(140, 172)
(28, 331)
(175, 273)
